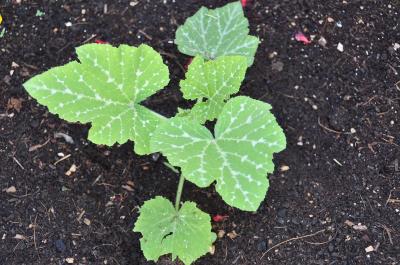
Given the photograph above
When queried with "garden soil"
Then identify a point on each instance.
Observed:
(334, 197)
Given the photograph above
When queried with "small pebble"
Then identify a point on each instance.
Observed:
(262, 246)
(280, 220)
(322, 41)
(284, 168)
(331, 247)
(155, 156)
(282, 212)
(133, 3)
(68, 24)
(69, 260)
(340, 47)
(369, 249)
(60, 246)
(277, 66)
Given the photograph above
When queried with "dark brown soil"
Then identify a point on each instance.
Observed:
(340, 112)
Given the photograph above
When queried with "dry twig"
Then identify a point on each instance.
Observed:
(292, 239)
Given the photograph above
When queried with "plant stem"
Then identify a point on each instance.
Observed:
(179, 192)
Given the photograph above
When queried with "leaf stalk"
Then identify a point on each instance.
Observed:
(179, 192)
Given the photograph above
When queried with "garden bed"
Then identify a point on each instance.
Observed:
(334, 197)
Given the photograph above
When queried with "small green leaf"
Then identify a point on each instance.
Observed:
(2, 33)
(105, 88)
(39, 13)
(218, 32)
(212, 83)
(239, 156)
(185, 234)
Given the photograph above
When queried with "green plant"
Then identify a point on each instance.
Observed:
(106, 86)
(219, 32)
(211, 83)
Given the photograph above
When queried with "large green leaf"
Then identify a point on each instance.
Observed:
(211, 83)
(218, 32)
(105, 88)
(239, 156)
(185, 234)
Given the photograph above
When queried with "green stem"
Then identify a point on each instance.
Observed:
(179, 192)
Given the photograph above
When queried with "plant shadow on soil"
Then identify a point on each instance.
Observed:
(339, 110)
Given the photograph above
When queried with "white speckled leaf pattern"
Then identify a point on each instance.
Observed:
(211, 83)
(186, 234)
(105, 88)
(239, 156)
(218, 32)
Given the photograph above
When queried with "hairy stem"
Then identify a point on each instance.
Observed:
(179, 192)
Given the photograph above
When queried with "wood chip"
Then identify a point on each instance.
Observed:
(221, 233)
(212, 249)
(127, 187)
(14, 65)
(20, 237)
(360, 227)
(15, 104)
(349, 223)
(71, 170)
(11, 189)
(80, 215)
(232, 235)
(87, 221)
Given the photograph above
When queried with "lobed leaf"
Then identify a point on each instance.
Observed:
(185, 234)
(218, 32)
(238, 158)
(105, 87)
(211, 83)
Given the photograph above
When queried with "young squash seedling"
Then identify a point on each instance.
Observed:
(106, 86)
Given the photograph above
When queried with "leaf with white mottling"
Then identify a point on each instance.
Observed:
(239, 156)
(105, 88)
(217, 32)
(211, 83)
(185, 234)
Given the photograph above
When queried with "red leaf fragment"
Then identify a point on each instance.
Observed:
(302, 38)
(219, 218)
(244, 3)
(100, 41)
